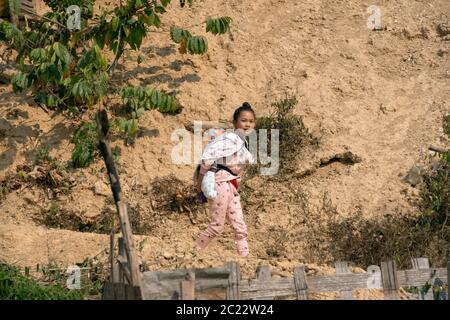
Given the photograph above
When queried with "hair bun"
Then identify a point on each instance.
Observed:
(245, 107)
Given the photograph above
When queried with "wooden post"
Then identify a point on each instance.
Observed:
(418, 264)
(105, 150)
(132, 257)
(233, 280)
(120, 246)
(301, 286)
(108, 291)
(389, 280)
(28, 7)
(121, 254)
(111, 255)
(188, 287)
(342, 268)
(263, 274)
(119, 291)
(448, 277)
(124, 267)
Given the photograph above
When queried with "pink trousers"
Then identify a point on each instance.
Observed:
(227, 206)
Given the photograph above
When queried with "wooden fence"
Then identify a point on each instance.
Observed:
(226, 283)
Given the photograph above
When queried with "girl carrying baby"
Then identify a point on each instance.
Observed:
(226, 154)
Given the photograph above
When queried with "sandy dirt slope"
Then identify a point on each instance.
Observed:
(379, 94)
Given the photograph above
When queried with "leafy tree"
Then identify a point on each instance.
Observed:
(69, 70)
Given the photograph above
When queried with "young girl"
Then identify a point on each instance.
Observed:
(229, 152)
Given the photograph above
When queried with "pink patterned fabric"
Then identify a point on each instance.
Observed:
(225, 148)
(227, 206)
(213, 133)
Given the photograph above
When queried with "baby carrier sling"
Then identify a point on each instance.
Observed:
(217, 167)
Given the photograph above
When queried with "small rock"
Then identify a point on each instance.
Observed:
(408, 33)
(101, 189)
(81, 178)
(443, 29)
(167, 255)
(425, 32)
(72, 179)
(415, 175)
(6, 73)
(442, 52)
(415, 193)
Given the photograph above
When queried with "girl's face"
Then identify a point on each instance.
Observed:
(245, 122)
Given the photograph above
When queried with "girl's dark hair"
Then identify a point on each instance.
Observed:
(245, 107)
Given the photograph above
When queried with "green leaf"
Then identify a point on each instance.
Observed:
(160, 9)
(165, 2)
(82, 90)
(93, 60)
(218, 26)
(52, 101)
(85, 139)
(53, 58)
(150, 19)
(138, 4)
(139, 99)
(129, 126)
(54, 74)
(101, 84)
(139, 35)
(37, 55)
(197, 45)
(153, 20)
(115, 23)
(176, 34)
(223, 26)
(157, 21)
(100, 39)
(20, 81)
(139, 112)
(61, 52)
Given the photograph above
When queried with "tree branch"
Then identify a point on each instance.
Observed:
(118, 54)
(437, 149)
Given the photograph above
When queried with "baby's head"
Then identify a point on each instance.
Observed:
(244, 118)
(213, 133)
